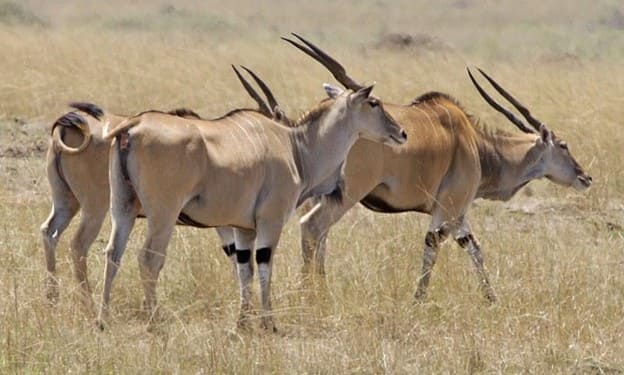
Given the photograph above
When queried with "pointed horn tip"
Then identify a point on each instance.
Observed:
(484, 74)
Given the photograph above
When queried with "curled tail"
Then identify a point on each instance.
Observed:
(75, 120)
(70, 120)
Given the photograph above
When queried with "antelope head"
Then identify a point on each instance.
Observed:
(369, 108)
(367, 115)
(552, 154)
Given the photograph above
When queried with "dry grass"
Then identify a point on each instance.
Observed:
(556, 257)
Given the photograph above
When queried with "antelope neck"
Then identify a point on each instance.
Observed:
(508, 162)
(320, 147)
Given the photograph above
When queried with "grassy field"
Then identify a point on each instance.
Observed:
(555, 256)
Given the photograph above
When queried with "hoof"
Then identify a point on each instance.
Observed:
(52, 292)
(100, 325)
(420, 296)
(268, 326)
(243, 324)
(491, 297)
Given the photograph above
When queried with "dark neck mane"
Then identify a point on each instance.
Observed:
(313, 114)
(489, 133)
(235, 111)
(434, 95)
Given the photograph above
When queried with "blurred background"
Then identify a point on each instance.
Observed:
(129, 55)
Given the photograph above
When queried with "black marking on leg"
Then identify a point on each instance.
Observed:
(432, 239)
(464, 241)
(229, 249)
(263, 255)
(435, 238)
(443, 231)
(243, 256)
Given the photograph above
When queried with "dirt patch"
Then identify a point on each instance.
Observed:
(14, 13)
(20, 138)
(417, 42)
(23, 151)
(614, 20)
(562, 58)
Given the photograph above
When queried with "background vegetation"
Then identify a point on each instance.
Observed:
(556, 257)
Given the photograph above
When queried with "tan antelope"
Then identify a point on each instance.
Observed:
(77, 170)
(440, 172)
(242, 170)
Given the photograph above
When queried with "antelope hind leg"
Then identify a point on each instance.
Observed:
(90, 225)
(468, 242)
(152, 256)
(61, 215)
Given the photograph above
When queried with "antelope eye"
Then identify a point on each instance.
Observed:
(563, 145)
(373, 103)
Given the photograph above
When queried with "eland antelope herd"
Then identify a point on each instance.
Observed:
(246, 172)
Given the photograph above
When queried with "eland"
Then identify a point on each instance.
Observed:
(440, 172)
(242, 170)
(77, 170)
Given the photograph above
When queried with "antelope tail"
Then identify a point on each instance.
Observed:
(126, 125)
(89, 108)
(70, 120)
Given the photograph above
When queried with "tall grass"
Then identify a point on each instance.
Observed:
(555, 256)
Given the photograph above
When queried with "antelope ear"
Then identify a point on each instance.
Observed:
(546, 136)
(332, 91)
(362, 94)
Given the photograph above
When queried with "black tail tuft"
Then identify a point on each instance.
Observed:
(89, 108)
(70, 119)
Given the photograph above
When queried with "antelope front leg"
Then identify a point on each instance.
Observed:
(244, 240)
(315, 225)
(226, 235)
(268, 237)
(310, 236)
(433, 239)
(264, 257)
(469, 243)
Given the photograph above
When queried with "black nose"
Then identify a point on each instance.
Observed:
(403, 134)
(589, 178)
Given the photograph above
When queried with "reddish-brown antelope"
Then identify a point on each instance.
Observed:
(77, 169)
(440, 172)
(242, 170)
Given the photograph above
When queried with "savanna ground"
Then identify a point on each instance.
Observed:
(555, 256)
